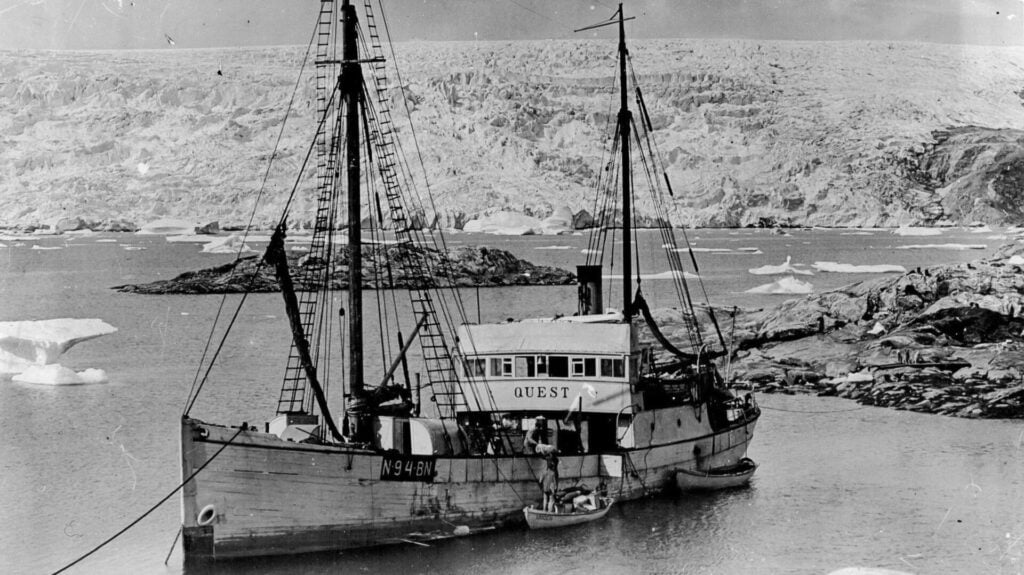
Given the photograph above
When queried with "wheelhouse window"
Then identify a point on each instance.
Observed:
(525, 366)
(613, 367)
(542, 366)
(501, 367)
(476, 367)
(558, 366)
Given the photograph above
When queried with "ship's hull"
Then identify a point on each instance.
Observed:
(263, 496)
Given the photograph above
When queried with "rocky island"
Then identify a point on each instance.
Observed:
(463, 266)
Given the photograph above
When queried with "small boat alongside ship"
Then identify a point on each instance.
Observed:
(630, 408)
(540, 519)
(726, 477)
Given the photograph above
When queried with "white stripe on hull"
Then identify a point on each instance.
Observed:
(275, 497)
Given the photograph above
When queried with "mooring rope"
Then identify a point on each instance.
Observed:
(151, 509)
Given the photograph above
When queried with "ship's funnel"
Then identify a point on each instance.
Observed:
(589, 279)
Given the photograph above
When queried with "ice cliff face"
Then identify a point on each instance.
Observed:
(801, 133)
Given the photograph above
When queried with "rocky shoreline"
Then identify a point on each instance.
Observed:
(463, 267)
(946, 339)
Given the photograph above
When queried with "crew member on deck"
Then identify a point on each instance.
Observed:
(535, 441)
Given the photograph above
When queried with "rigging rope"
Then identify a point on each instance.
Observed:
(252, 216)
(153, 508)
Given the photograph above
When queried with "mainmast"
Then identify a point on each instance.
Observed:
(590, 275)
(351, 93)
(625, 119)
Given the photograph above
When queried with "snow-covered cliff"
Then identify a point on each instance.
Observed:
(838, 133)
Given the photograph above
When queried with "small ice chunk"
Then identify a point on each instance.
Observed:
(48, 248)
(785, 268)
(671, 274)
(227, 245)
(909, 231)
(786, 285)
(1015, 260)
(877, 329)
(838, 268)
(143, 167)
(955, 247)
(56, 374)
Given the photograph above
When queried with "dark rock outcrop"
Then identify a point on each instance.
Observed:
(383, 267)
(946, 339)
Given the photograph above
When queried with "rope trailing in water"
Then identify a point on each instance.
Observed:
(151, 509)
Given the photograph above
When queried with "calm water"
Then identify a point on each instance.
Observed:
(839, 484)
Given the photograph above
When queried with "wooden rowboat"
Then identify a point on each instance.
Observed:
(540, 519)
(718, 478)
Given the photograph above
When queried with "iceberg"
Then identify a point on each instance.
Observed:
(559, 222)
(838, 268)
(26, 345)
(785, 268)
(787, 285)
(44, 341)
(168, 227)
(505, 224)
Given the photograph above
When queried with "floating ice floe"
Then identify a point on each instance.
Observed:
(981, 230)
(106, 241)
(917, 232)
(838, 268)
(553, 248)
(168, 227)
(47, 248)
(786, 268)
(56, 374)
(227, 245)
(671, 274)
(956, 247)
(26, 346)
(133, 248)
(786, 285)
(856, 233)
(1015, 260)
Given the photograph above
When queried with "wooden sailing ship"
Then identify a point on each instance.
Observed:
(382, 472)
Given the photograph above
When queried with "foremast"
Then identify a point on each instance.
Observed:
(351, 85)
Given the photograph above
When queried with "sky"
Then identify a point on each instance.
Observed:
(168, 24)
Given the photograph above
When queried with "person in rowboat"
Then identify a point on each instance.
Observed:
(549, 483)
